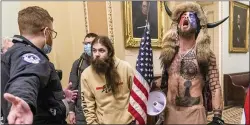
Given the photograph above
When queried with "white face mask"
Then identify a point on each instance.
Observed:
(46, 48)
(87, 49)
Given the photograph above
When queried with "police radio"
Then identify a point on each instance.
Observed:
(59, 73)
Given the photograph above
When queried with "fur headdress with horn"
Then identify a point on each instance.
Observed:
(202, 41)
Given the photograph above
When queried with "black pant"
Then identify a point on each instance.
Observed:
(80, 119)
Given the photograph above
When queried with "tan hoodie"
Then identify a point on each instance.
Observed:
(99, 105)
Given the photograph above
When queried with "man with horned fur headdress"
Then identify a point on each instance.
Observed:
(188, 62)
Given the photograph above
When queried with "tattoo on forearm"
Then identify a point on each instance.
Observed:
(213, 75)
(214, 86)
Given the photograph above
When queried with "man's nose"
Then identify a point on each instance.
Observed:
(98, 54)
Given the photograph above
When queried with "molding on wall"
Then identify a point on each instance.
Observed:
(205, 3)
(110, 21)
(221, 72)
(86, 18)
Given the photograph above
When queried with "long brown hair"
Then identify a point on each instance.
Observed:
(112, 76)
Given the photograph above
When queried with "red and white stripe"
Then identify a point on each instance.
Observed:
(245, 119)
(138, 99)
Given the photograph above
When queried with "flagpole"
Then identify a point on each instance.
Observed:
(147, 23)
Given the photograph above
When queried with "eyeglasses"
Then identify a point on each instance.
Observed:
(53, 32)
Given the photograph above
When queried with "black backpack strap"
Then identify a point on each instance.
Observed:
(79, 69)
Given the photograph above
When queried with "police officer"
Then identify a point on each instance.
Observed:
(31, 85)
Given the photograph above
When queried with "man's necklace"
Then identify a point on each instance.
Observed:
(183, 55)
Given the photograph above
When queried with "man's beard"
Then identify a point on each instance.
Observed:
(100, 65)
(107, 67)
(188, 33)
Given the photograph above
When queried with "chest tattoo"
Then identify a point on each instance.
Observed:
(188, 70)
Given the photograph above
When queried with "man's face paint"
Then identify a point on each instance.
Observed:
(188, 20)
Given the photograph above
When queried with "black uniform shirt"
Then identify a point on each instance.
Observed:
(28, 74)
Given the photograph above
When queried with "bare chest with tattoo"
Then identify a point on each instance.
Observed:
(184, 83)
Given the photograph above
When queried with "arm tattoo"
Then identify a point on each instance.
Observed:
(215, 87)
(213, 75)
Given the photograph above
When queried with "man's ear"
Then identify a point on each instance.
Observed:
(46, 31)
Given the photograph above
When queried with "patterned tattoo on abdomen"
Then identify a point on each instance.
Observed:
(187, 85)
(188, 70)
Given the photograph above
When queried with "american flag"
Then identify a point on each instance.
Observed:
(245, 119)
(142, 80)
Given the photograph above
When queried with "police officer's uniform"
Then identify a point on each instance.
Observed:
(27, 73)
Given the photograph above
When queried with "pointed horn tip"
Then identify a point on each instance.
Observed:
(167, 9)
(212, 25)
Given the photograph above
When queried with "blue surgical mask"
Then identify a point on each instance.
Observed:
(87, 49)
(47, 49)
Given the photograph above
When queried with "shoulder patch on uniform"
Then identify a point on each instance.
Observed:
(31, 58)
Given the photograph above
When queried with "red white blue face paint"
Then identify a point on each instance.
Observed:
(188, 18)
